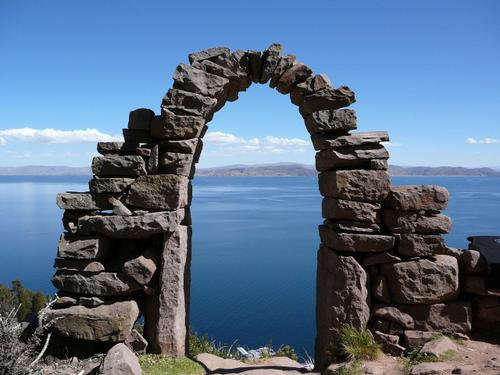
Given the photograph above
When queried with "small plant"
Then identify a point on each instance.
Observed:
(159, 365)
(352, 368)
(204, 344)
(358, 344)
(287, 351)
(414, 357)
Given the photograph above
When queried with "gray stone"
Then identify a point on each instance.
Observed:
(200, 82)
(209, 53)
(255, 62)
(362, 185)
(78, 265)
(82, 201)
(213, 68)
(177, 163)
(118, 166)
(108, 322)
(394, 314)
(438, 346)
(325, 141)
(109, 185)
(64, 301)
(423, 281)
(142, 268)
(379, 164)
(342, 298)
(327, 99)
(349, 157)
(120, 360)
(70, 219)
(140, 119)
(296, 74)
(417, 197)
(118, 148)
(354, 242)
(389, 343)
(380, 289)
(172, 126)
(416, 339)
(141, 226)
(186, 103)
(159, 192)
(102, 284)
(432, 368)
(284, 63)
(153, 160)
(341, 209)
(352, 226)
(168, 331)
(82, 247)
(184, 146)
(242, 65)
(329, 121)
(474, 263)
(137, 136)
(270, 58)
(119, 208)
(416, 222)
(90, 301)
(418, 245)
(311, 85)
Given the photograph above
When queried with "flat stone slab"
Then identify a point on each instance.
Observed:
(83, 247)
(109, 185)
(350, 157)
(325, 141)
(419, 245)
(356, 184)
(341, 209)
(416, 222)
(109, 322)
(355, 242)
(331, 121)
(140, 226)
(417, 197)
(82, 201)
(102, 284)
(118, 166)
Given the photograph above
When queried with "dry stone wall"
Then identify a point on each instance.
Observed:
(126, 249)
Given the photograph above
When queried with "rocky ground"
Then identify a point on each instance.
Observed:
(464, 357)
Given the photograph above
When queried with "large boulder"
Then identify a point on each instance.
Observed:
(120, 360)
(416, 222)
(423, 281)
(355, 242)
(342, 298)
(419, 245)
(417, 197)
(359, 185)
(118, 166)
(159, 192)
(451, 317)
(101, 284)
(78, 265)
(331, 121)
(140, 226)
(350, 157)
(142, 268)
(109, 322)
(341, 209)
(82, 247)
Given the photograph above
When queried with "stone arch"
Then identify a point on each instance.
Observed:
(382, 262)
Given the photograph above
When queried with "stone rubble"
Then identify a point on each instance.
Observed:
(382, 263)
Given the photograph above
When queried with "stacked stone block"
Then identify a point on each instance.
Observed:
(126, 248)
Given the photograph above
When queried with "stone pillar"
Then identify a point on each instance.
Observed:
(167, 333)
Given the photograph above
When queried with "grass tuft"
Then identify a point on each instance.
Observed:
(158, 365)
(353, 368)
(358, 344)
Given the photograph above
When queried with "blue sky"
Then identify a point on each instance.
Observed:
(427, 71)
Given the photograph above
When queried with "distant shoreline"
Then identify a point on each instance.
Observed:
(261, 170)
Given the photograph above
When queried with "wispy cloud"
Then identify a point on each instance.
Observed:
(269, 144)
(30, 135)
(486, 141)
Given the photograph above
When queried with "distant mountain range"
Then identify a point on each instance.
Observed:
(277, 169)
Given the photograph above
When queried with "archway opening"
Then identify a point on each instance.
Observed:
(255, 227)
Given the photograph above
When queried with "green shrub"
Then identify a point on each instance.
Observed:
(287, 351)
(24, 300)
(358, 344)
(204, 344)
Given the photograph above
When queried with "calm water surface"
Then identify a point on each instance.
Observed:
(254, 246)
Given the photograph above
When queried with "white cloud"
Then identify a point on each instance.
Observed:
(266, 145)
(30, 135)
(392, 144)
(486, 141)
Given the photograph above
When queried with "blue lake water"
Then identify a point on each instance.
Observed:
(254, 246)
